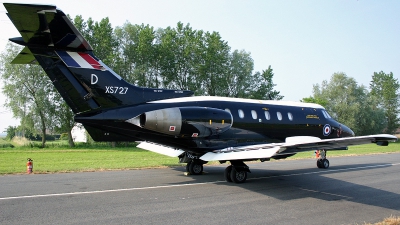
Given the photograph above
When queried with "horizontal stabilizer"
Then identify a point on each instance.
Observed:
(44, 25)
(25, 57)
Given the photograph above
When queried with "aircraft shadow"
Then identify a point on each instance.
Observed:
(308, 183)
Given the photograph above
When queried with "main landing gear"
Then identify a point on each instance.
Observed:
(322, 162)
(236, 172)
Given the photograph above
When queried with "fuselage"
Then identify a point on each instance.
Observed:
(253, 122)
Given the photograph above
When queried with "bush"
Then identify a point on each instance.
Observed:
(5, 144)
(64, 136)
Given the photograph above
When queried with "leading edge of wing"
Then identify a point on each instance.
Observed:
(336, 143)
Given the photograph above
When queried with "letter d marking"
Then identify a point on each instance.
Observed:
(94, 79)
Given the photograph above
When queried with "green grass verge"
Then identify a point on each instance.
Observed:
(13, 161)
(57, 157)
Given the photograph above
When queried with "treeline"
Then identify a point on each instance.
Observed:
(174, 58)
(365, 110)
(178, 58)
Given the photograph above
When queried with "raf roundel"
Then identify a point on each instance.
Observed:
(327, 130)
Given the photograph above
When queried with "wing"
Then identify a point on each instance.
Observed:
(294, 145)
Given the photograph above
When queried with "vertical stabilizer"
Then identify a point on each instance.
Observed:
(85, 83)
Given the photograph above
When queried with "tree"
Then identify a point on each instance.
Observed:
(179, 51)
(64, 119)
(101, 37)
(385, 88)
(214, 64)
(350, 104)
(316, 100)
(239, 75)
(263, 86)
(29, 92)
(11, 132)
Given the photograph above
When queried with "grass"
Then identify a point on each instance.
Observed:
(13, 161)
(58, 157)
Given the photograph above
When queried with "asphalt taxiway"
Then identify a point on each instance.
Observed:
(353, 190)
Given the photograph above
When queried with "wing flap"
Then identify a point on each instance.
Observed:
(160, 149)
(260, 153)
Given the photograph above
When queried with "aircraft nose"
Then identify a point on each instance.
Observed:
(347, 132)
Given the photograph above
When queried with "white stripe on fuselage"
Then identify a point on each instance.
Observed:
(238, 100)
(78, 59)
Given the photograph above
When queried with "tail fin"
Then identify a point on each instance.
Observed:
(85, 83)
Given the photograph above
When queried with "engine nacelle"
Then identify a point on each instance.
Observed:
(185, 121)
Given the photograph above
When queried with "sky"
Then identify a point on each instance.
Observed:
(305, 42)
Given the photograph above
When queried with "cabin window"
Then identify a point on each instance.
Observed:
(267, 115)
(241, 113)
(279, 115)
(254, 114)
(290, 116)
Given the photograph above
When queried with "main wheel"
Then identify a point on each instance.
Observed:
(227, 173)
(195, 168)
(238, 176)
(325, 163)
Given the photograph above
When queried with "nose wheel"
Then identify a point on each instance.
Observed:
(323, 163)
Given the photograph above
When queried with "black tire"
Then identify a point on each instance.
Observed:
(319, 163)
(195, 168)
(227, 173)
(325, 163)
(238, 176)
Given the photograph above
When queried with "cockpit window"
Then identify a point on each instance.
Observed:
(326, 114)
(329, 116)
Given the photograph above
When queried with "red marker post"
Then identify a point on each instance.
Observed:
(29, 166)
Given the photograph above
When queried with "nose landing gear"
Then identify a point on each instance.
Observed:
(322, 162)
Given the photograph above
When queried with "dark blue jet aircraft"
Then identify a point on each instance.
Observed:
(171, 122)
